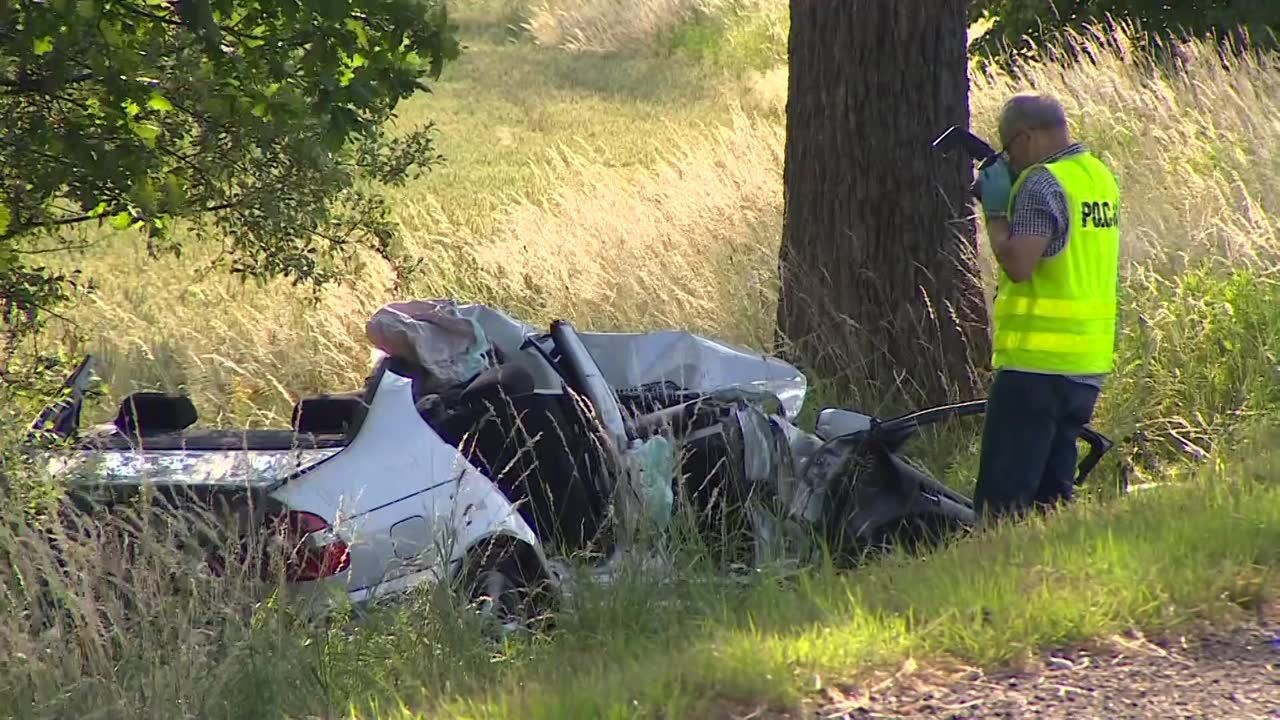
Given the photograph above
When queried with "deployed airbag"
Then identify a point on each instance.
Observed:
(432, 335)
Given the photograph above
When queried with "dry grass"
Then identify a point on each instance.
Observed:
(737, 34)
(244, 352)
(88, 634)
(600, 26)
(605, 25)
(690, 243)
(683, 230)
(1196, 152)
(645, 231)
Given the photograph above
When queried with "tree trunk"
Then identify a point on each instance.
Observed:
(881, 286)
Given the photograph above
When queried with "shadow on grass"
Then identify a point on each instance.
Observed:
(682, 645)
(500, 58)
(635, 77)
(1156, 561)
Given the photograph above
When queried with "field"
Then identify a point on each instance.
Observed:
(623, 168)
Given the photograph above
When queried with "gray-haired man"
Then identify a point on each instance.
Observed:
(1052, 218)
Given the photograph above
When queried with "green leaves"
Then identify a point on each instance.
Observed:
(147, 131)
(159, 103)
(122, 220)
(257, 124)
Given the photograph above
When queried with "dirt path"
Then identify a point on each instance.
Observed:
(1233, 674)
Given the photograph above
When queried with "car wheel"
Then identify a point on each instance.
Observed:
(498, 600)
(505, 600)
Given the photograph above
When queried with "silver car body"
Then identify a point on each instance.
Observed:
(407, 504)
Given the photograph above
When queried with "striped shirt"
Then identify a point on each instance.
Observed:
(1040, 210)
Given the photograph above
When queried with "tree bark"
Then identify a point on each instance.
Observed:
(881, 286)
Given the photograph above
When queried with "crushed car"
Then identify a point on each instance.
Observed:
(485, 450)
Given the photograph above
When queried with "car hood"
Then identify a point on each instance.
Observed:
(692, 361)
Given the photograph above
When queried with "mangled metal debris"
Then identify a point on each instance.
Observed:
(482, 448)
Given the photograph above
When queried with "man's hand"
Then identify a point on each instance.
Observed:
(995, 184)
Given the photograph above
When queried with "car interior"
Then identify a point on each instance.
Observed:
(163, 421)
(545, 450)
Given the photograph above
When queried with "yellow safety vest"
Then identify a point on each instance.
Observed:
(1063, 319)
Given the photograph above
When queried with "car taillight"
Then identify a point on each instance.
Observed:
(313, 549)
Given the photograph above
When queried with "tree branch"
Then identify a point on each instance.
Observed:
(42, 84)
(77, 219)
(63, 248)
(172, 22)
(13, 303)
(228, 29)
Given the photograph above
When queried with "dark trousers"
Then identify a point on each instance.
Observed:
(1029, 438)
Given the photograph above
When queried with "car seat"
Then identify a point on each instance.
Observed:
(538, 447)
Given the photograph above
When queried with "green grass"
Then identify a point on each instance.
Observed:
(1153, 563)
(504, 106)
(640, 187)
(1202, 551)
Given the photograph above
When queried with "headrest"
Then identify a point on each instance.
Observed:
(155, 413)
(327, 414)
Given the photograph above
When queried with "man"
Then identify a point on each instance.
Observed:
(1051, 211)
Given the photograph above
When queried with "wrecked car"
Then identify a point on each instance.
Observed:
(485, 450)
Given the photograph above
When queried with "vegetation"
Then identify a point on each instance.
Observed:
(261, 122)
(640, 186)
(864, 247)
(652, 646)
(1024, 24)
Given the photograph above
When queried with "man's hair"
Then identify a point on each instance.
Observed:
(1031, 111)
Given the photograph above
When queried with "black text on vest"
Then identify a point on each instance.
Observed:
(1098, 214)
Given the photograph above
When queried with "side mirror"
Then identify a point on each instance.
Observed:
(834, 422)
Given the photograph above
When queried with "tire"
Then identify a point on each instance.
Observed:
(502, 588)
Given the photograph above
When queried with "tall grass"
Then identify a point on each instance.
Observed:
(645, 234)
(1194, 147)
(88, 634)
(603, 26)
(166, 639)
(691, 243)
(689, 239)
